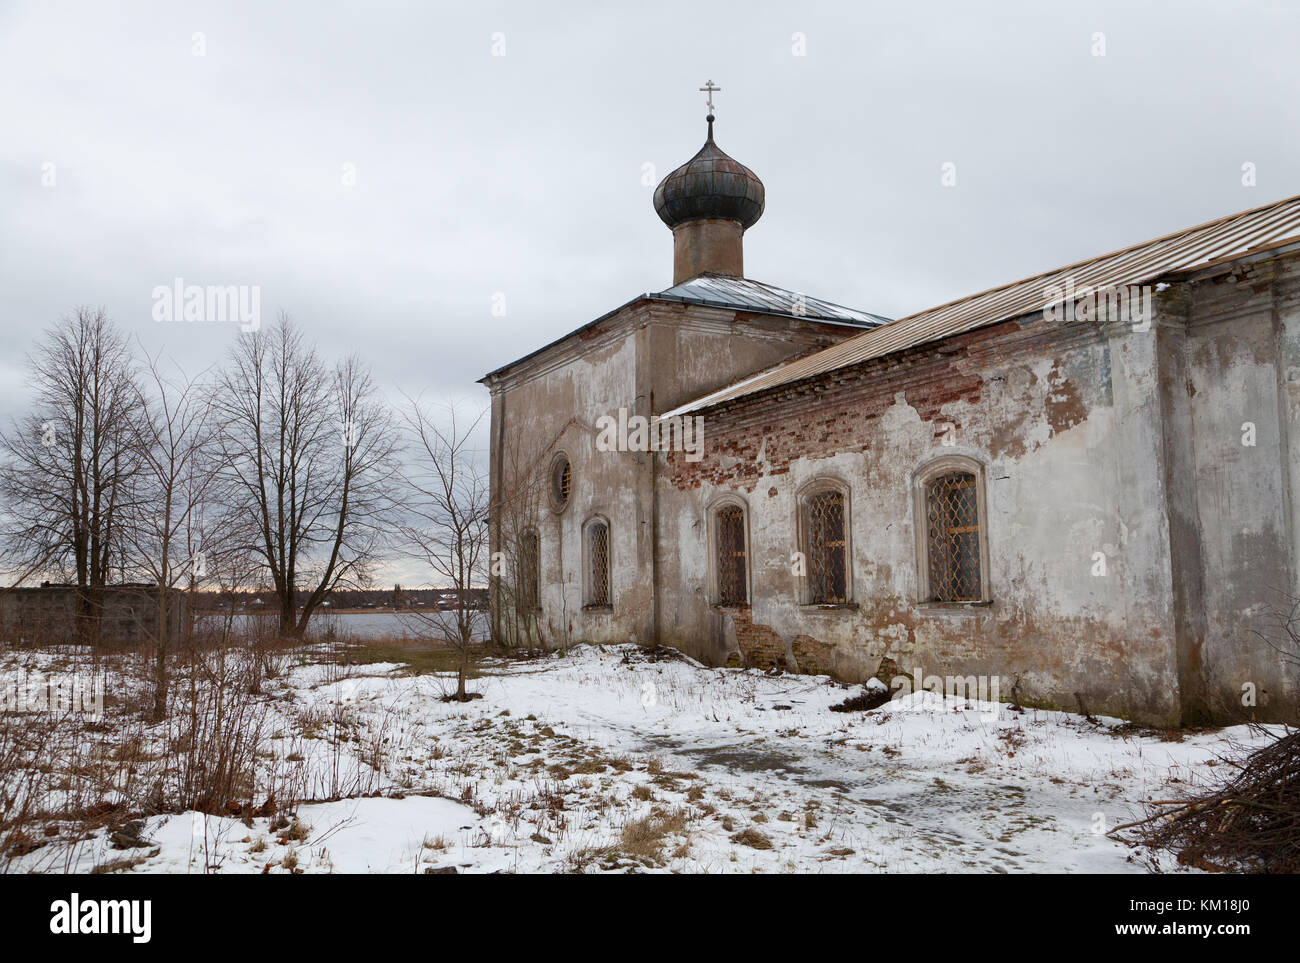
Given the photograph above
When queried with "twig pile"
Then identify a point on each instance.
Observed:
(1251, 823)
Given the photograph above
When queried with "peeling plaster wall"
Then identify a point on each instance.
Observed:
(556, 411)
(1036, 406)
(1100, 445)
(1243, 386)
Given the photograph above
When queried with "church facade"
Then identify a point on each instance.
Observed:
(1084, 486)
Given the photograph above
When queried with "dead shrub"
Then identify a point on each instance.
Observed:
(216, 729)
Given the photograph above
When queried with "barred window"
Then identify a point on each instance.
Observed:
(826, 547)
(598, 564)
(529, 582)
(953, 534)
(729, 534)
(561, 482)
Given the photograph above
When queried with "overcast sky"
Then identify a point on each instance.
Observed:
(500, 149)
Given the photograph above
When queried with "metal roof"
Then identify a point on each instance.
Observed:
(724, 291)
(1225, 239)
(738, 294)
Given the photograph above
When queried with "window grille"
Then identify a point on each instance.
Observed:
(952, 509)
(732, 589)
(598, 558)
(827, 582)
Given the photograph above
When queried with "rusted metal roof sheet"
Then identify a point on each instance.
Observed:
(1227, 238)
(742, 294)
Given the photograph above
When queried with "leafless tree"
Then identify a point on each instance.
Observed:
(311, 451)
(445, 520)
(71, 463)
(180, 530)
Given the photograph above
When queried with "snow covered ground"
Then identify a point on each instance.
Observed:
(604, 759)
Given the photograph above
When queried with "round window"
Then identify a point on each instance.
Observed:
(561, 482)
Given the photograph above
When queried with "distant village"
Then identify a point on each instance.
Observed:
(397, 598)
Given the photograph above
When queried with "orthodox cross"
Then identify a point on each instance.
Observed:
(710, 89)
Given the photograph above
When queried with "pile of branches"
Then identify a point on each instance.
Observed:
(1249, 823)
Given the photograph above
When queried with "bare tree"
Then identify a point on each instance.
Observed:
(445, 523)
(70, 464)
(311, 452)
(179, 531)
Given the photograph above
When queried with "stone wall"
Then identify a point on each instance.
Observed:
(49, 615)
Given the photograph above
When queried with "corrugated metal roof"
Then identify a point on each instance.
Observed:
(1224, 239)
(743, 294)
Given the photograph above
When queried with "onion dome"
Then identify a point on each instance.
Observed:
(710, 185)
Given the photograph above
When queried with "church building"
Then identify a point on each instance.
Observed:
(1080, 484)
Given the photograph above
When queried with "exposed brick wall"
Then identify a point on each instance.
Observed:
(812, 656)
(827, 414)
(761, 647)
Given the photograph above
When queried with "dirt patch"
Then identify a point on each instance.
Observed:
(744, 760)
(654, 653)
(864, 701)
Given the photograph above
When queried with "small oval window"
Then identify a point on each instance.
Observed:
(561, 482)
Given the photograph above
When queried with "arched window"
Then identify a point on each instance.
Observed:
(951, 531)
(730, 553)
(530, 576)
(596, 549)
(824, 526)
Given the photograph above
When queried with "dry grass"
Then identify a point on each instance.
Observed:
(644, 839)
(65, 776)
(642, 842)
(752, 838)
(120, 865)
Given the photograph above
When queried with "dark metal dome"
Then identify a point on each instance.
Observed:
(710, 185)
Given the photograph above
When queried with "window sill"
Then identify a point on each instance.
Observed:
(954, 606)
(829, 606)
(730, 605)
(598, 608)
